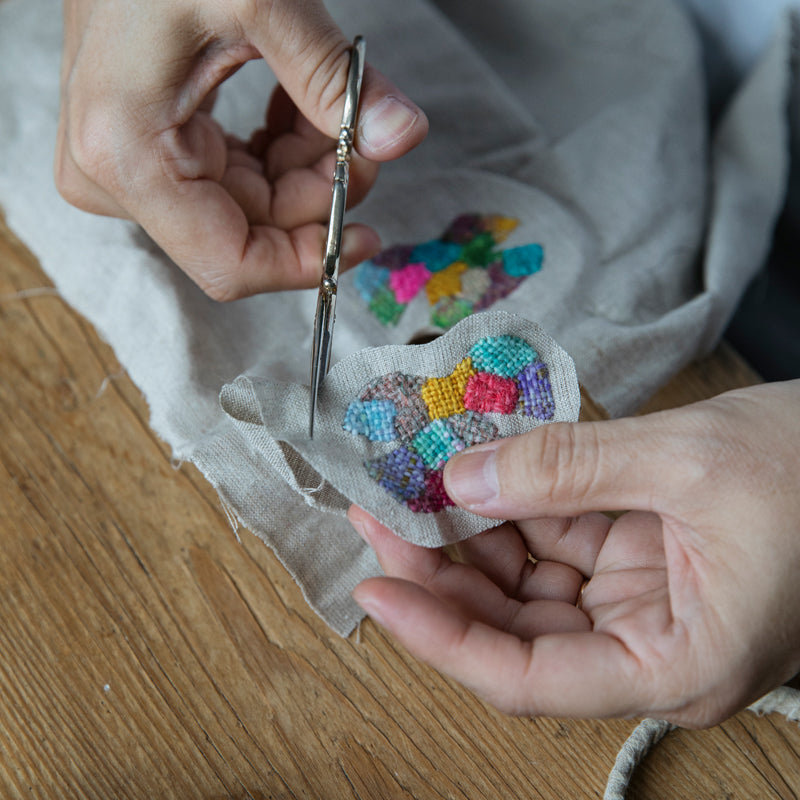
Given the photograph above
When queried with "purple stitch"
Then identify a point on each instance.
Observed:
(463, 229)
(502, 285)
(394, 257)
(536, 393)
(401, 473)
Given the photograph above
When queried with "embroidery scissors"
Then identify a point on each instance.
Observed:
(326, 299)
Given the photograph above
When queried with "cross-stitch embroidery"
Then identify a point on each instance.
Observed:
(461, 273)
(434, 418)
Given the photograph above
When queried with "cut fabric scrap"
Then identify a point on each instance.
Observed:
(461, 272)
(390, 418)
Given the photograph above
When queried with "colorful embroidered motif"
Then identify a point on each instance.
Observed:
(432, 419)
(461, 273)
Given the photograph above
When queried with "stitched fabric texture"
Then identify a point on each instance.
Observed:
(390, 418)
(461, 272)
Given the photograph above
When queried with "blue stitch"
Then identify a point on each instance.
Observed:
(401, 472)
(372, 418)
(369, 278)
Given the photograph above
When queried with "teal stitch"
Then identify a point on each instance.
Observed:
(436, 443)
(505, 356)
(436, 254)
(522, 261)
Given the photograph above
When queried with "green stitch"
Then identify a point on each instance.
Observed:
(385, 307)
(480, 251)
(450, 310)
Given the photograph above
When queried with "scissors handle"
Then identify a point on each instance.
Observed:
(341, 173)
(326, 300)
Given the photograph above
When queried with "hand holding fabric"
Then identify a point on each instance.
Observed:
(684, 608)
(137, 140)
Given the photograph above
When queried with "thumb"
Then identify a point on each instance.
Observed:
(571, 468)
(310, 56)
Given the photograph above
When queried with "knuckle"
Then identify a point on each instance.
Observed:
(552, 464)
(309, 38)
(67, 178)
(224, 289)
(88, 149)
(323, 57)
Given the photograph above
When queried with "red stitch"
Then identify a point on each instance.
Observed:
(487, 393)
(434, 498)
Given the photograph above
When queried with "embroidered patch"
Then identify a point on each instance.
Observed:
(434, 418)
(462, 272)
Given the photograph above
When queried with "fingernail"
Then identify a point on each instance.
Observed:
(471, 478)
(359, 526)
(386, 122)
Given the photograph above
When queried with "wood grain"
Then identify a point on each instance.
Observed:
(146, 651)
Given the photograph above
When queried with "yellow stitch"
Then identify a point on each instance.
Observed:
(446, 283)
(445, 396)
(500, 227)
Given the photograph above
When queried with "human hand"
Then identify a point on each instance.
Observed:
(136, 137)
(691, 605)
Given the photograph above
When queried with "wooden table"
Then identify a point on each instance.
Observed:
(147, 652)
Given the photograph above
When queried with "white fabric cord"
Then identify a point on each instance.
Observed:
(650, 732)
(646, 735)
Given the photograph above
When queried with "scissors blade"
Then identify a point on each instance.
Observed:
(321, 347)
(326, 299)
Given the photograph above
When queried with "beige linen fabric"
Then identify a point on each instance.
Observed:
(584, 120)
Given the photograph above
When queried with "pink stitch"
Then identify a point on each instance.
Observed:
(406, 282)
